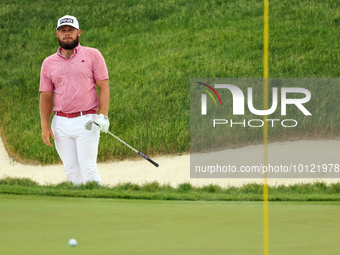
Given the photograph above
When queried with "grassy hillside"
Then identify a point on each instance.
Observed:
(152, 49)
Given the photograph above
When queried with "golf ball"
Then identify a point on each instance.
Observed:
(72, 242)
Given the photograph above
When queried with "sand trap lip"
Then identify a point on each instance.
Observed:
(172, 170)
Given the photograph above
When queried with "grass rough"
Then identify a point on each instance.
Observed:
(318, 191)
(152, 49)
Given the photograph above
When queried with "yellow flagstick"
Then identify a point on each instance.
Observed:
(265, 126)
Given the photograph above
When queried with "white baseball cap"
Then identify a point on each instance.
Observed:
(68, 20)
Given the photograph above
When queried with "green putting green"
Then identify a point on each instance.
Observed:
(43, 225)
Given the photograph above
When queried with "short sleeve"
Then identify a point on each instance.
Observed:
(99, 67)
(45, 81)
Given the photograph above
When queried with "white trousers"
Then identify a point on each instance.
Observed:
(77, 147)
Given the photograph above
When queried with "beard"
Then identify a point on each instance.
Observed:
(69, 46)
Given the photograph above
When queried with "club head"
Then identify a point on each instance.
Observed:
(88, 125)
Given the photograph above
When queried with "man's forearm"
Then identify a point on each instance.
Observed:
(45, 105)
(104, 97)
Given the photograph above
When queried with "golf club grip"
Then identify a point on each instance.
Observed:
(150, 160)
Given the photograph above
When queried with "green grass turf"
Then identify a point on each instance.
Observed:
(43, 225)
(152, 48)
(318, 191)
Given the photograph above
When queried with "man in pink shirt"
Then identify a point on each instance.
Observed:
(69, 79)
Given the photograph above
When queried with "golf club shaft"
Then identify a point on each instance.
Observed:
(141, 154)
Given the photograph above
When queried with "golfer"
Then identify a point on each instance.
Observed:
(68, 82)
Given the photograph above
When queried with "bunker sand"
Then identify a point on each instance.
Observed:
(174, 170)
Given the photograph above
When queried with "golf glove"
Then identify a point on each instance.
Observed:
(103, 122)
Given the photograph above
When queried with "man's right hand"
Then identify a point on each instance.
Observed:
(46, 133)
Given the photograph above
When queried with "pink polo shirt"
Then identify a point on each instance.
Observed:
(74, 80)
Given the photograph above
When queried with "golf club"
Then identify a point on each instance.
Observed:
(88, 126)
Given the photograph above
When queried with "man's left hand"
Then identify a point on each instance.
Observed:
(103, 122)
